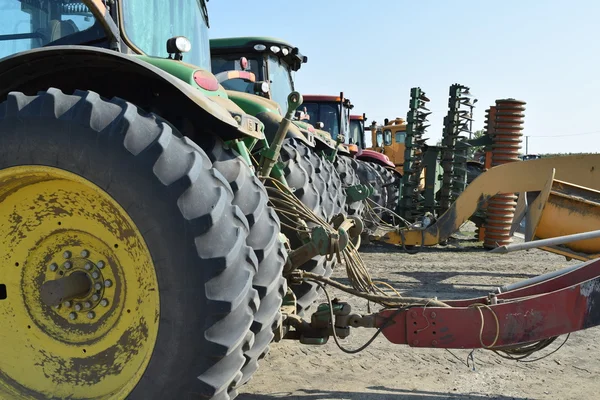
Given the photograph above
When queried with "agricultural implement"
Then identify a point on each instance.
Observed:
(151, 224)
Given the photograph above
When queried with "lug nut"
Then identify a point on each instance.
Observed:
(98, 286)
(95, 297)
(87, 304)
(95, 275)
(67, 254)
(91, 315)
(108, 283)
(77, 307)
(100, 264)
(53, 267)
(57, 306)
(84, 253)
(103, 302)
(87, 266)
(72, 316)
(67, 265)
(67, 304)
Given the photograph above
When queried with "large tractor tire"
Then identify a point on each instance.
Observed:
(349, 177)
(335, 189)
(328, 185)
(390, 187)
(251, 197)
(367, 174)
(300, 174)
(106, 202)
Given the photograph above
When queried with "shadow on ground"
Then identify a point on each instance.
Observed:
(415, 283)
(382, 393)
(452, 246)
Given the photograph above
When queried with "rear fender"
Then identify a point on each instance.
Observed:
(112, 74)
(376, 157)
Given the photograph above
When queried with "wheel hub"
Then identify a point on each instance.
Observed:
(76, 287)
(80, 304)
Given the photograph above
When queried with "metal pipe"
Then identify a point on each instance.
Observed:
(539, 278)
(56, 292)
(547, 242)
(270, 156)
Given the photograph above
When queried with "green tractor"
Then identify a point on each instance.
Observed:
(145, 261)
(258, 73)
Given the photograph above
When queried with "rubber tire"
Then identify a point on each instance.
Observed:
(251, 197)
(367, 174)
(390, 187)
(300, 175)
(334, 187)
(196, 237)
(348, 178)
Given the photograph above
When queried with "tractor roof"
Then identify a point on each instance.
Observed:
(317, 98)
(357, 117)
(259, 44)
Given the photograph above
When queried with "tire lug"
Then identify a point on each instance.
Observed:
(67, 254)
(108, 283)
(85, 253)
(103, 302)
(72, 316)
(77, 307)
(91, 315)
(53, 267)
(67, 265)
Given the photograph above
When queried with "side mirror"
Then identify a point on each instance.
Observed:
(178, 45)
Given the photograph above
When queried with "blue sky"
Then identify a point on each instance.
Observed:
(546, 53)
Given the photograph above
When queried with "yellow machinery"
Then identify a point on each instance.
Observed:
(389, 140)
(564, 195)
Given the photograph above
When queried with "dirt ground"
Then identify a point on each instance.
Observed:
(386, 371)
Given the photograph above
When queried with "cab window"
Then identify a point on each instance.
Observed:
(387, 137)
(379, 138)
(400, 137)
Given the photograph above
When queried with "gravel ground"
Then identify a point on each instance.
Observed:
(386, 371)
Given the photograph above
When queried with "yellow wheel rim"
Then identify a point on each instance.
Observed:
(54, 223)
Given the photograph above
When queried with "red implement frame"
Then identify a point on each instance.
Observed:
(564, 304)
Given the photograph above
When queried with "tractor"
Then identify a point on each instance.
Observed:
(151, 225)
(373, 168)
(257, 73)
(145, 259)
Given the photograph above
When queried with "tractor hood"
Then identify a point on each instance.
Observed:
(270, 114)
(254, 104)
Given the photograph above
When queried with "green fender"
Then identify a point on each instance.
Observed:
(112, 74)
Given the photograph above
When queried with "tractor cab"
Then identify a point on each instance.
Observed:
(357, 131)
(146, 26)
(27, 25)
(261, 66)
(329, 113)
(389, 139)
